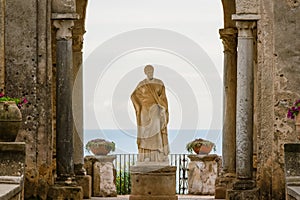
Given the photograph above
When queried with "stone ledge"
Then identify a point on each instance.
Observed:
(158, 197)
(65, 16)
(11, 179)
(245, 17)
(109, 158)
(143, 169)
(8, 191)
(293, 181)
(13, 146)
(209, 157)
(294, 191)
(93, 159)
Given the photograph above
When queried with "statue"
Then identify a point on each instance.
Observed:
(151, 107)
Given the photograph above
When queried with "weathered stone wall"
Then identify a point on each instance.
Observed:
(278, 87)
(2, 36)
(29, 73)
(287, 82)
(265, 99)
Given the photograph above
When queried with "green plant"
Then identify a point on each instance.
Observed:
(109, 146)
(198, 143)
(123, 182)
(19, 101)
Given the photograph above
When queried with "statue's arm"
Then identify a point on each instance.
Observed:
(164, 102)
(136, 104)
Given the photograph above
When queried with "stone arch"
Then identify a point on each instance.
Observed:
(228, 34)
(246, 21)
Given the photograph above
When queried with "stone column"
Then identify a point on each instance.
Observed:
(244, 187)
(244, 108)
(226, 178)
(64, 88)
(65, 187)
(78, 32)
(229, 39)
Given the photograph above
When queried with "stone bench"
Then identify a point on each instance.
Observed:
(293, 192)
(11, 187)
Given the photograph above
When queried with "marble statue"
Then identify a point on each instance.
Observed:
(151, 107)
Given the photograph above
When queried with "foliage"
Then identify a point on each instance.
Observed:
(294, 110)
(19, 101)
(198, 143)
(109, 146)
(123, 182)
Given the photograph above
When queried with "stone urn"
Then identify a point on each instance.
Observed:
(10, 121)
(203, 149)
(200, 146)
(100, 147)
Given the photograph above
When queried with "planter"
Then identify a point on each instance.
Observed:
(100, 147)
(203, 149)
(200, 146)
(99, 150)
(10, 121)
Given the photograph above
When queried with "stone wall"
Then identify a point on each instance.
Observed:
(278, 87)
(2, 36)
(28, 72)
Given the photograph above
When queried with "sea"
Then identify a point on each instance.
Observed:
(125, 140)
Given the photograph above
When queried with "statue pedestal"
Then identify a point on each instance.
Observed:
(153, 182)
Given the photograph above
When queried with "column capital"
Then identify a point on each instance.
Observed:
(64, 29)
(245, 28)
(229, 39)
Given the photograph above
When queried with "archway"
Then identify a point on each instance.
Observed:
(228, 35)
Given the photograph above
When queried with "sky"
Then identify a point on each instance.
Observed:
(179, 38)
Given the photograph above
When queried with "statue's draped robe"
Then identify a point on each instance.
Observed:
(151, 106)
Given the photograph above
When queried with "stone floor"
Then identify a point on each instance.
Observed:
(183, 197)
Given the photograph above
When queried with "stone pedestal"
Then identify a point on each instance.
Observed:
(292, 170)
(101, 169)
(85, 182)
(243, 190)
(223, 183)
(59, 192)
(251, 194)
(12, 169)
(202, 174)
(153, 182)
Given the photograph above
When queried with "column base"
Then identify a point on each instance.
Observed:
(244, 185)
(58, 192)
(79, 170)
(153, 182)
(86, 183)
(250, 194)
(243, 190)
(223, 184)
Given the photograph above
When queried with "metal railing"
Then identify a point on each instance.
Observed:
(123, 162)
